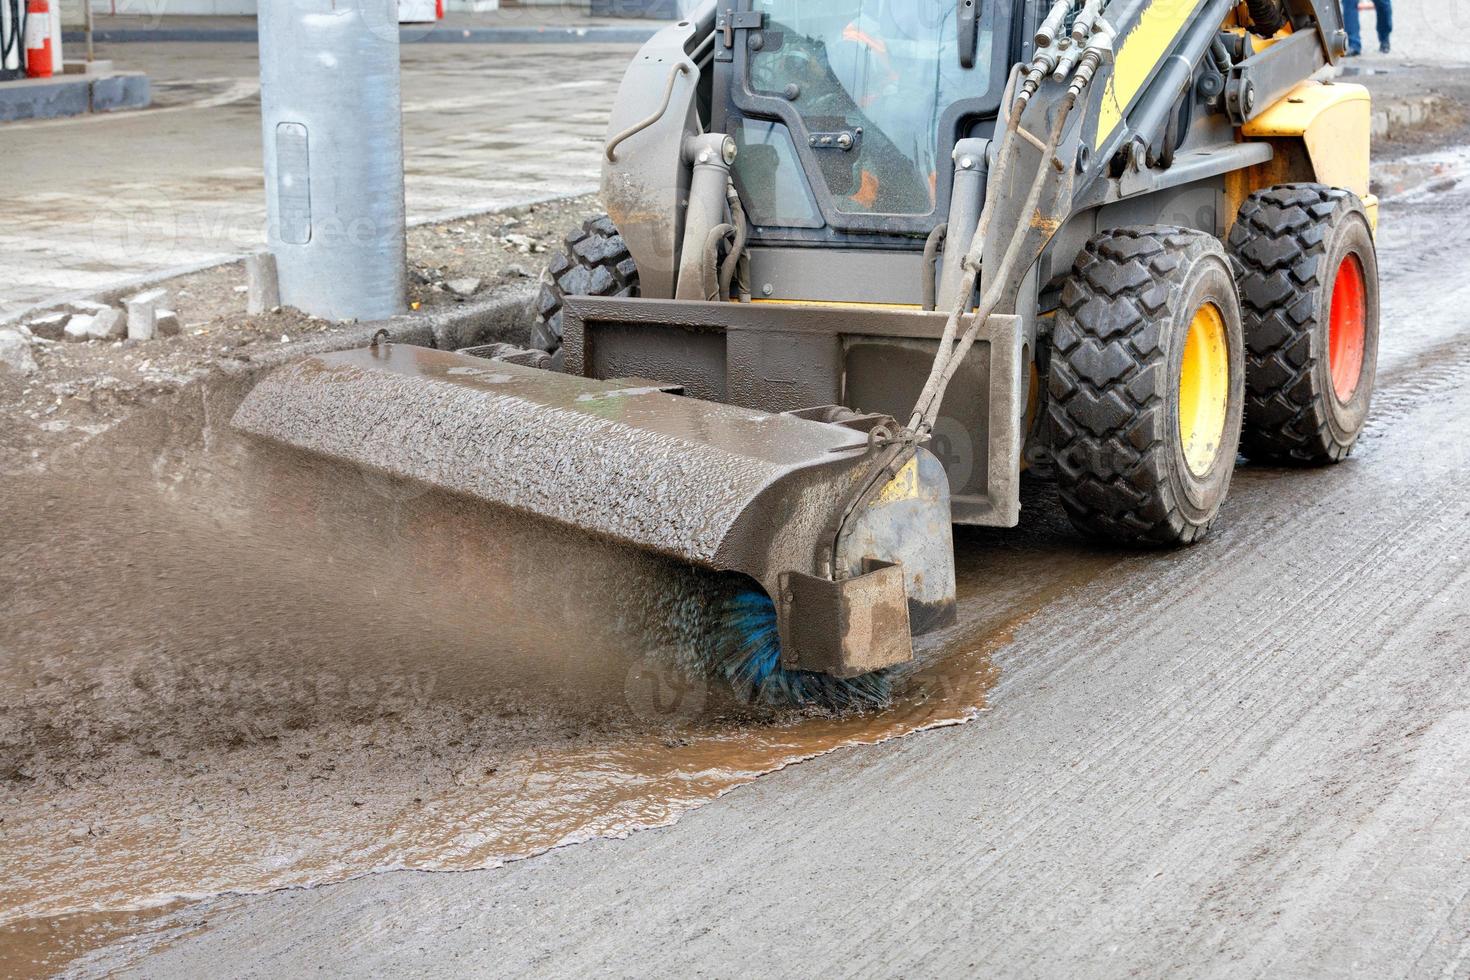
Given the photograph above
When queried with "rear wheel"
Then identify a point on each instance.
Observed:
(1146, 385)
(1308, 274)
(596, 263)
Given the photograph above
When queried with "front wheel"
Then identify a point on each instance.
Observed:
(596, 263)
(1146, 385)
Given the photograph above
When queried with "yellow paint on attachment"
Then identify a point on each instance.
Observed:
(1144, 47)
(905, 486)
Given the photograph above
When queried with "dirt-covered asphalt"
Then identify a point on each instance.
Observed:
(1251, 758)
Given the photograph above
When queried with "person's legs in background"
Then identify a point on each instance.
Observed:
(1384, 10)
(1353, 28)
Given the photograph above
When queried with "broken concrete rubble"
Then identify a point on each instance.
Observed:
(262, 287)
(15, 351)
(106, 324)
(78, 328)
(49, 327)
(143, 313)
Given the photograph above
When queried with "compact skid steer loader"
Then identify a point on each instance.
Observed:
(867, 260)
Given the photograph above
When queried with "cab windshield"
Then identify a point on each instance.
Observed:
(870, 80)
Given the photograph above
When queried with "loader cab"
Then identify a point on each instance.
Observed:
(846, 112)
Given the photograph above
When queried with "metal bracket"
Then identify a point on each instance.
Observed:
(844, 140)
(846, 628)
(1255, 84)
(864, 422)
(967, 19)
(509, 353)
(739, 20)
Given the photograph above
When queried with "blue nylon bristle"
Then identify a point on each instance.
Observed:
(747, 649)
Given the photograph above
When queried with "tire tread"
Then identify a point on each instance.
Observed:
(594, 262)
(1279, 244)
(1107, 417)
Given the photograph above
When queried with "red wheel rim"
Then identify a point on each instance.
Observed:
(1348, 329)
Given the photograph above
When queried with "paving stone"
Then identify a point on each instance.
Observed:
(15, 352)
(262, 287)
(143, 313)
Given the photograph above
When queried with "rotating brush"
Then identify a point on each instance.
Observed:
(745, 649)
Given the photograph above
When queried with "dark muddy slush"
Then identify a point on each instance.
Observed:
(231, 668)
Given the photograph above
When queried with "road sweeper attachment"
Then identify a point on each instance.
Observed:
(776, 497)
(873, 256)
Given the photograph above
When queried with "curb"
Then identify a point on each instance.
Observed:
(468, 35)
(502, 317)
(115, 292)
(63, 96)
(1397, 117)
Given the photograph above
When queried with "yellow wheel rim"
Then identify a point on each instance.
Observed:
(1204, 390)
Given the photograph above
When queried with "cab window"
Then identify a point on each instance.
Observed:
(870, 81)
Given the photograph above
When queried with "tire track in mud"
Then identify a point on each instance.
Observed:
(1197, 692)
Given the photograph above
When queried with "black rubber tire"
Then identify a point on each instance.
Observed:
(596, 263)
(1288, 243)
(1113, 384)
(1267, 17)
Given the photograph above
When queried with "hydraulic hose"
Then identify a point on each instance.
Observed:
(897, 448)
(712, 271)
(1221, 54)
(679, 68)
(1009, 147)
(1267, 17)
(949, 362)
(737, 248)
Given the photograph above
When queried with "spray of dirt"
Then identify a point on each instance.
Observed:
(229, 669)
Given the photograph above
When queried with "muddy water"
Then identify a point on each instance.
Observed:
(228, 669)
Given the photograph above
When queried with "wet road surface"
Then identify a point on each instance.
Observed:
(1252, 757)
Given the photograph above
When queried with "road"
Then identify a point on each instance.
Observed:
(1251, 758)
